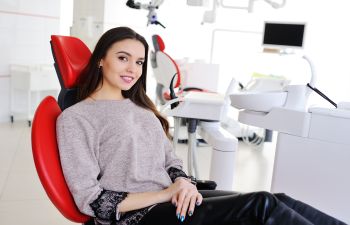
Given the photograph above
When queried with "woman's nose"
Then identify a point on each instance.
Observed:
(131, 67)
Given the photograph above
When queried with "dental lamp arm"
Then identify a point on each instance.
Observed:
(158, 23)
(139, 5)
(311, 85)
(133, 5)
(312, 69)
(151, 7)
(313, 76)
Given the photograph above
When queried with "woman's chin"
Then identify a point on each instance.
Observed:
(126, 88)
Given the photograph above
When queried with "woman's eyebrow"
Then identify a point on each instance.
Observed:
(128, 54)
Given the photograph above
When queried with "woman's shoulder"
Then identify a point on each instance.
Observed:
(78, 110)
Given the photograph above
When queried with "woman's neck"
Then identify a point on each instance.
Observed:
(107, 94)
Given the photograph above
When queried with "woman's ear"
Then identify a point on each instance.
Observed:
(100, 64)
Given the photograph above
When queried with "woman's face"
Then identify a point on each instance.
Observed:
(122, 65)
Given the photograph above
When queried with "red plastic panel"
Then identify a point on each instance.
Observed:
(160, 43)
(47, 161)
(161, 48)
(72, 55)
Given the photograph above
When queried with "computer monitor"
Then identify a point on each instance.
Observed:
(283, 35)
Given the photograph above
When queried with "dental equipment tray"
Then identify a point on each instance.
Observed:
(258, 101)
(199, 105)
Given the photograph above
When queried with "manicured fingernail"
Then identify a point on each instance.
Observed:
(182, 218)
(174, 203)
(190, 213)
(178, 216)
(198, 203)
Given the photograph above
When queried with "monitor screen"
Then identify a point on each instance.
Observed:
(284, 34)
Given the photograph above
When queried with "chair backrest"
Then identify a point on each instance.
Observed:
(71, 56)
(164, 66)
(47, 161)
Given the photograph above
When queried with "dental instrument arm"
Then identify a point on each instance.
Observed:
(311, 85)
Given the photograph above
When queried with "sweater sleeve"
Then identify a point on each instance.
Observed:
(77, 142)
(173, 164)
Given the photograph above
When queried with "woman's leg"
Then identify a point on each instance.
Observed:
(230, 209)
(310, 213)
(216, 193)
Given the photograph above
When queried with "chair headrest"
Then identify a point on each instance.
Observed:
(71, 56)
(158, 43)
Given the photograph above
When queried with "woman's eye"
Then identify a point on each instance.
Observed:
(139, 63)
(122, 58)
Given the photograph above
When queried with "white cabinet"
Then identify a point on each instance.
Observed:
(29, 85)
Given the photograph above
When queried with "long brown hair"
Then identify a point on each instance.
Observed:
(92, 75)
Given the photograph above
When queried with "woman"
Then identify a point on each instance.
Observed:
(118, 161)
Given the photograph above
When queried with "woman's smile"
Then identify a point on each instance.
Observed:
(127, 79)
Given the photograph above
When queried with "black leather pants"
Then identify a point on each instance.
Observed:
(229, 208)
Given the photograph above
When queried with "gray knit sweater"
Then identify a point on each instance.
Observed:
(109, 148)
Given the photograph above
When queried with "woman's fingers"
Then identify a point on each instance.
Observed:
(192, 205)
(196, 200)
(185, 206)
(186, 203)
(180, 201)
(186, 199)
(174, 200)
(199, 199)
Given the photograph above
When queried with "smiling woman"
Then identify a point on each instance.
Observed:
(119, 163)
(121, 67)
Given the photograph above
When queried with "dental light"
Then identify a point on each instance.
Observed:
(151, 7)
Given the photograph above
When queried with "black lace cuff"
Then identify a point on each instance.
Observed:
(134, 217)
(129, 218)
(175, 173)
(105, 206)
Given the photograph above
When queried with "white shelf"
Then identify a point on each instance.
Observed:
(27, 84)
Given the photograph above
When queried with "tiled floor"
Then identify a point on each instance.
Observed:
(23, 200)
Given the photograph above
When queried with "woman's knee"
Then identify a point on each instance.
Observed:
(265, 200)
(258, 205)
(265, 196)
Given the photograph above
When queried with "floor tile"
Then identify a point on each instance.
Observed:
(22, 185)
(31, 212)
(3, 178)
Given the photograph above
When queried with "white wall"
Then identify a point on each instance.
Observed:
(25, 28)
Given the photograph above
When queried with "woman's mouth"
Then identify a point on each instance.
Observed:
(127, 79)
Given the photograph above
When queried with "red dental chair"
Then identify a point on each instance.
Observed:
(71, 56)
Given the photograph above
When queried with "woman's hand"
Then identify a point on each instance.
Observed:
(185, 196)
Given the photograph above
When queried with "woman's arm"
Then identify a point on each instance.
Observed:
(136, 201)
(178, 189)
(77, 139)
